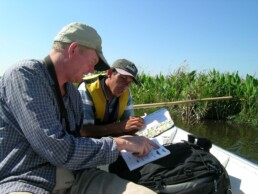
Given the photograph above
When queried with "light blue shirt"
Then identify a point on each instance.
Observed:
(33, 141)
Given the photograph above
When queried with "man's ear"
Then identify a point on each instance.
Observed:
(109, 72)
(73, 48)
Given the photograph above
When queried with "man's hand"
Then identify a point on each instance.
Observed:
(132, 124)
(129, 126)
(138, 145)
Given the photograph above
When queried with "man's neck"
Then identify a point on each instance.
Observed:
(108, 92)
(57, 62)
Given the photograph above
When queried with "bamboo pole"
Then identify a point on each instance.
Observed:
(164, 104)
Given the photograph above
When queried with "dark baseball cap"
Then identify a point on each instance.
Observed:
(125, 67)
(86, 36)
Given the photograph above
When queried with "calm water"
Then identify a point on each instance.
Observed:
(239, 139)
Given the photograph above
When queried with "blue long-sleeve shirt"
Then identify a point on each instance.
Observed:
(33, 140)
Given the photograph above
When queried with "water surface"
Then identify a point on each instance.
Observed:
(239, 139)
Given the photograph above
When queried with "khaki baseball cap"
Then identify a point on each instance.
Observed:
(125, 67)
(86, 36)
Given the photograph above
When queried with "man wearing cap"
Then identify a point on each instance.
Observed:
(107, 102)
(41, 114)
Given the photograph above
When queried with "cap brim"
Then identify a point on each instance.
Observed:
(123, 72)
(102, 65)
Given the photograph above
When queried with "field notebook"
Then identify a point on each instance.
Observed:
(155, 124)
(134, 162)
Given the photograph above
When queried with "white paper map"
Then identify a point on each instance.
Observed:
(134, 162)
(156, 123)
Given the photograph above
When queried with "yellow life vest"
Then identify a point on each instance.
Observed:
(93, 86)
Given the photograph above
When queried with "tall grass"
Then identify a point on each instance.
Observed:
(184, 85)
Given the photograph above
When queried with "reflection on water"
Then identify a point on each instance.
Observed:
(239, 139)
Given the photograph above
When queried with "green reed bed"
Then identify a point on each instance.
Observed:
(184, 85)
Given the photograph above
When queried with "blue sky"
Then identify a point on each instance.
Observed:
(159, 36)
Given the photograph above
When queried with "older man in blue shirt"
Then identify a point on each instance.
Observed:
(41, 114)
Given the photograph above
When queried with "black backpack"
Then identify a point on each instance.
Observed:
(189, 169)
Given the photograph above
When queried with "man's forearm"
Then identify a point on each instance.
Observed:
(101, 130)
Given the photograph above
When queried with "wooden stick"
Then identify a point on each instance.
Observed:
(163, 104)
